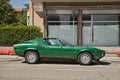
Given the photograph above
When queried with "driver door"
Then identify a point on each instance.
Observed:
(55, 49)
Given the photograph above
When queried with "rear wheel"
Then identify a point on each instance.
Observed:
(31, 57)
(85, 58)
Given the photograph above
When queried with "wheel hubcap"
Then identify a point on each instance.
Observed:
(31, 57)
(85, 58)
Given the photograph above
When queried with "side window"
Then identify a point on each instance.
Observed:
(52, 42)
(62, 43)
(47, 41)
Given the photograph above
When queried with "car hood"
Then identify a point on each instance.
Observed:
(86, 48)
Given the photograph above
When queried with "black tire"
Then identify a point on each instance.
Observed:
(31, 57)
(85, 58)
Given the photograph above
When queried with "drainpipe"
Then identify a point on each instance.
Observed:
(32, 14)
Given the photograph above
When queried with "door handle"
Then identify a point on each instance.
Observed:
(47, 47)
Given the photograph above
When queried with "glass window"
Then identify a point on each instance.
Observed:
(61, 11)
(105, 17)
(75, 17)
(62, 18)
(64, 43)
(63, 24)
(100, 29)
(86, 24)
(52, 42)
(86, 17)
(65, 32)
(105, 35)
(59, 17)
(105, 23)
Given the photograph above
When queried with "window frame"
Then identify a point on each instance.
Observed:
(50, 43)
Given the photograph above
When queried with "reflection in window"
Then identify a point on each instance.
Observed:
(86, 17)
(100, 29)
(105, 23)
(87, 24)
(59, 18)
(52, 42)
(63, 24)
(62, 17)
(105, 17)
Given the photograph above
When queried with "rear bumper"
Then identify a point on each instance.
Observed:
(19, 53)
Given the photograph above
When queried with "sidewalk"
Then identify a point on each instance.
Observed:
(111, 57)
(109, 49)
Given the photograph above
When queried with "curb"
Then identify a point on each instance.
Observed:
(111, 52)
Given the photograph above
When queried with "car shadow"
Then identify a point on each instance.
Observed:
(54, 62)
(70, 62)
(100, 63)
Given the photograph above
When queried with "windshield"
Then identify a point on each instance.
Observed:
(64, 43)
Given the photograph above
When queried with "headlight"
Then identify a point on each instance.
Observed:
(103, 54)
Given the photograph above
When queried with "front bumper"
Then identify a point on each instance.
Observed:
(99, 55)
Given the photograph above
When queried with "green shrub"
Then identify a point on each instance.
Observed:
(12, 25)
(12, 35)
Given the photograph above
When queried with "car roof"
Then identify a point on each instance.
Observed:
(50, 38)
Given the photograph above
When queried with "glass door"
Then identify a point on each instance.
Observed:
(87, 30)
(100, 28)
(63, 24)
(106, 30)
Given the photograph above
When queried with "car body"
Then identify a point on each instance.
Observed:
(34, 50)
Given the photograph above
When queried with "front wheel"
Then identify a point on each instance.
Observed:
(85, 58)
(31, 57)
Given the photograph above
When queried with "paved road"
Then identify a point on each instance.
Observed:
(14, 68)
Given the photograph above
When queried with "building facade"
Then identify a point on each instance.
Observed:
(80, 22)
(35, 15)
(18, 12)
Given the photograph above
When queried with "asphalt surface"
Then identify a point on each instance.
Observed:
(15, 68)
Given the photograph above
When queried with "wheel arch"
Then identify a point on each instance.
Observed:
(85, 51)
(31, 50)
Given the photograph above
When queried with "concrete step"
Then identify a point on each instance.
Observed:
(109, 49)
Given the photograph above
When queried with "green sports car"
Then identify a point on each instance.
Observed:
(35, 50)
